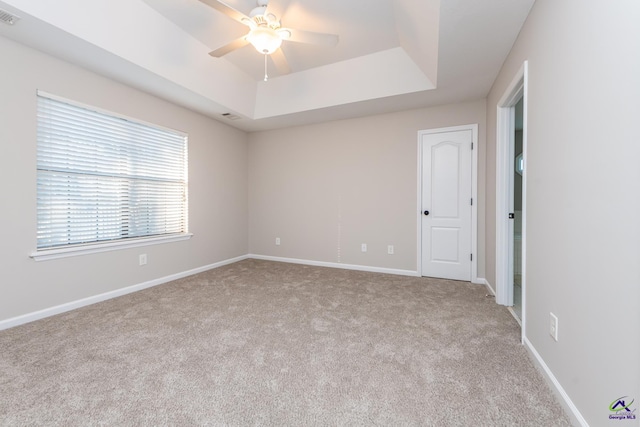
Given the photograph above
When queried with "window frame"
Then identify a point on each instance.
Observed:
(76, 249)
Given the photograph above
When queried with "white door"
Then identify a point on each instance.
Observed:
(446, 204)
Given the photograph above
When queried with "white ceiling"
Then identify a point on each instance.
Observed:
(392, 54)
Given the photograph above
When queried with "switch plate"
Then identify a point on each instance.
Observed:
(363, 248)
(553, 326)
(390, 249)
(277, 241)
(142, 259)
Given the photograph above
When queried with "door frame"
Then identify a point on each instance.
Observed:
(504, 136)
(474, 195)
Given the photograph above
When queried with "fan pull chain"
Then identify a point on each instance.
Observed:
(266, 77)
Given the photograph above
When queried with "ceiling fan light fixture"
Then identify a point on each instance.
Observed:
(264, 39)
(249, 23)
(283, 33)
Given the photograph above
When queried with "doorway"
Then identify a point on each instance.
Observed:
(515, 193)
(447, 213)
(511, 160)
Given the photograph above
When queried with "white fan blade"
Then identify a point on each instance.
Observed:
(236, 44)
(228, 10)
(309, 37)
(280, 61)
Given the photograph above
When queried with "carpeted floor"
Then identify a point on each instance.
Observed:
(263, 343)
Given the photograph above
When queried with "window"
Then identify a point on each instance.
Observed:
(104, 178)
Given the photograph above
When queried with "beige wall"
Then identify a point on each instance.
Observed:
(325, 189)
(217, 188)
(583, 256)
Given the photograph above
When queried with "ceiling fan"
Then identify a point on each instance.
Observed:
(266, 34)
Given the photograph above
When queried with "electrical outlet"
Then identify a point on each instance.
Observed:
(390, 249)
(277, 241)
(553, 326)
(363, 248)
(142, 259)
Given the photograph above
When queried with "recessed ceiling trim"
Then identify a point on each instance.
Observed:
(400, 74)
(378, 75)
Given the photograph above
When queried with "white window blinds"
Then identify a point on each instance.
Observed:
(105, 178)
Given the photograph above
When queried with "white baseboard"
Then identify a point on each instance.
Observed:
(570, 408)
(485, 283)
(490, 288)
(479, 281)
(62, 308)
(337, 265)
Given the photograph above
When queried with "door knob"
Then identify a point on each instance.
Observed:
(426, 212)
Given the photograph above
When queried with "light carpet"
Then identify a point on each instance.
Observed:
(260, 343)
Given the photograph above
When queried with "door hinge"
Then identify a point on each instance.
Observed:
(471, 257)
(472, 145)
(472, 201)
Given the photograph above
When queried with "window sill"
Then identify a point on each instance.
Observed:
(48, 254)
